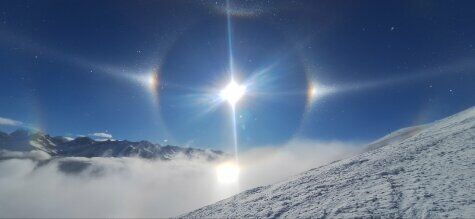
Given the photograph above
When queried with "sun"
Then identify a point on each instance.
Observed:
(232, 93)
(227, 173)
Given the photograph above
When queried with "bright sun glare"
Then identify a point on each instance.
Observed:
(227, 172)
(232, 92)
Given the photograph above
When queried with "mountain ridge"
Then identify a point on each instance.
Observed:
(27, 140)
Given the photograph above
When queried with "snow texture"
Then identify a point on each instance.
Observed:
(423, 172)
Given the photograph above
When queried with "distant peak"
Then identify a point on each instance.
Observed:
(82, 140)
(21, 133)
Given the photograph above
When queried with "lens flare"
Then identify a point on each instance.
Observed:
(227, 172)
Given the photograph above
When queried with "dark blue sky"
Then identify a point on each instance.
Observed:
(75, 68)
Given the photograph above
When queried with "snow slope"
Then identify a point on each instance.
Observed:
(426, 171)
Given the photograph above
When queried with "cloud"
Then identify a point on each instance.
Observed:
(102, 135)
(68, 138)
(258, 165)
(134, 187)
(10, 122)
(35, 155)
(104, 139)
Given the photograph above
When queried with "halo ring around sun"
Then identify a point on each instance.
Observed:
(284, 88)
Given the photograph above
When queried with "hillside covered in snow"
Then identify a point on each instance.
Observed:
(423, 171)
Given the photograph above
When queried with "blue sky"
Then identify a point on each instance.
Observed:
(75, 68)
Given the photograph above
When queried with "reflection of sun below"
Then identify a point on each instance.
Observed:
(227, 172)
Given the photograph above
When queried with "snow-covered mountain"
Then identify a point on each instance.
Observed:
(25, 140)
(424, 171)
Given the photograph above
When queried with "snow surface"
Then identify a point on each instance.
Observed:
(426, 171)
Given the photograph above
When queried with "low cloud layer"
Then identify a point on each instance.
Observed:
(10, 122)
(102, 135)
(32, 185)
(69, 138)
